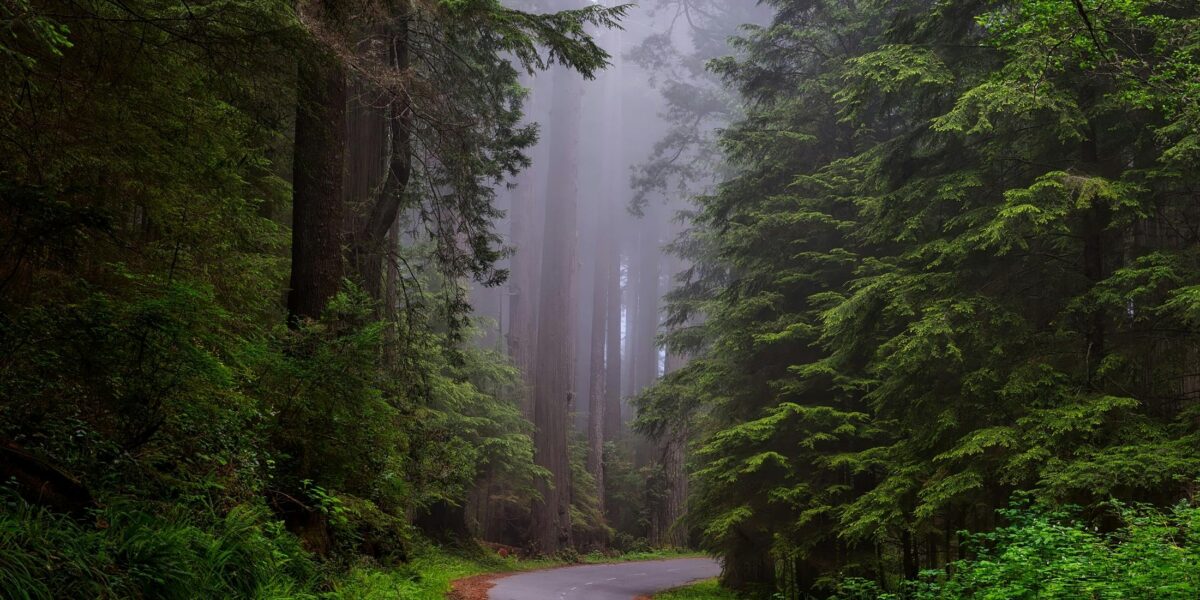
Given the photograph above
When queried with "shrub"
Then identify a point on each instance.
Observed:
(131, 552)
(1054, 555)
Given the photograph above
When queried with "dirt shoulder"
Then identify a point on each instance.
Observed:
(475, 587)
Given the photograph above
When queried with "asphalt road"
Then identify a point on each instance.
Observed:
(604, 582)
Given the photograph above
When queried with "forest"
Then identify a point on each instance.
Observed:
(363, 299)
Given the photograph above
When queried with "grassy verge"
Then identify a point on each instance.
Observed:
(599, 558)
(429, 576)
(705, 590)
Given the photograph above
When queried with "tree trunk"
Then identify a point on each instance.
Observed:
(524, 226)
(631, 286)
(908, 555)
(645, 361)
(612, 362)
(674, 463)
(381, 211)
(317, 198)
(597, 398)
(1095, 243)
(446, 523)
(553, 383)
(747, 564)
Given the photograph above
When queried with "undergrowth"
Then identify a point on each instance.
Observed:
(129, 550)
(705, 590)
(1056, 555)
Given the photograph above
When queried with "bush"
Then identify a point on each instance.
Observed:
(1053, 555)
(132, 552)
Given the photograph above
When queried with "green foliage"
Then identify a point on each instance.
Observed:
(129, 552)
(952, 260)
(589, 529)
(143, 264)
(21, 21)
(625, 499)
(468, 135)
(1054, 554)
(563, 34)
(708, 590)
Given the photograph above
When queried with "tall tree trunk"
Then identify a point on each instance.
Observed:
(524, 227)
(553, 384)
(632, 285)
(612, 346)
(673, 459)
(645, 365)
(613, 199)
(317, 195)
(606, 317)
(583, 307)
(370, 242)
(367, 147)
(908, 555)
(1095, 244)
(597, 401)
(677, 477)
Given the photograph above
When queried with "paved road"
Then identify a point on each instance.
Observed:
(604, 582)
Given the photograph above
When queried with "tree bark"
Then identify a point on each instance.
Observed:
(1095, 244)
(645, 362)
(525, 270)
(553, 384)
(612, 362)
(612, 207)
(371, 240)
(673, 458)
(317, 194)
(597, 401)
(674, 463)
(908, 554)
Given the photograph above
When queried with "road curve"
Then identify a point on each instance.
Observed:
(604, 582)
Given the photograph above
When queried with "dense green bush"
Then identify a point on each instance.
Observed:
(311, 414)
(1055, 555)
(929, 280)
(133, 552)
(160, 551)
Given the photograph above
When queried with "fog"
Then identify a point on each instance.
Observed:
(618, 158)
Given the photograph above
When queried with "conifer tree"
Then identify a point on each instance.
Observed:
(953, 262)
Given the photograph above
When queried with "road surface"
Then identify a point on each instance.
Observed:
(604, 582)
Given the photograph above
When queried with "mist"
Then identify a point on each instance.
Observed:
(620, 157)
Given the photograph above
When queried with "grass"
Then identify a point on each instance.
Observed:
(598, 558)
(705, 590)
(427, 577)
